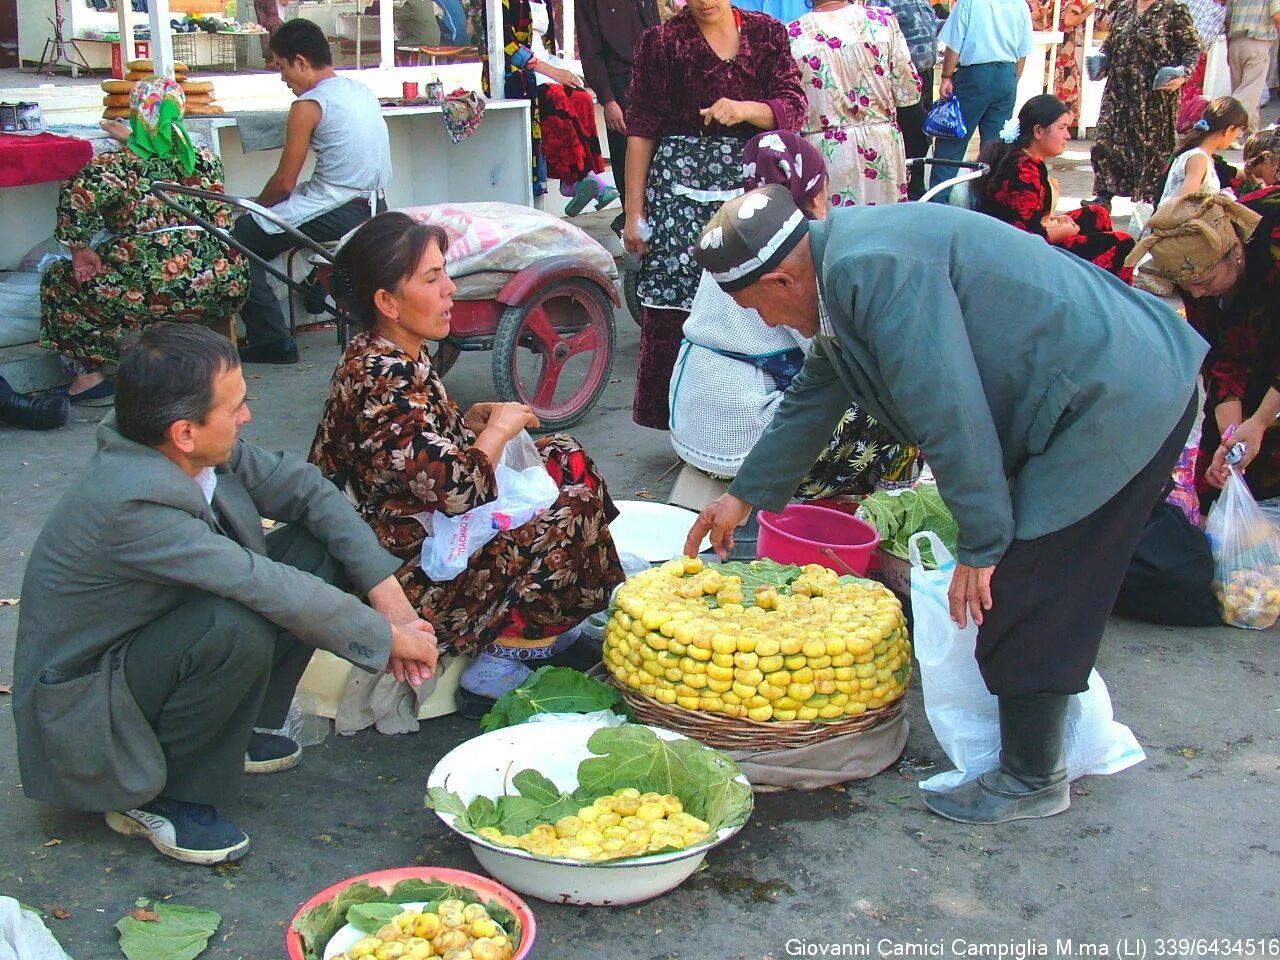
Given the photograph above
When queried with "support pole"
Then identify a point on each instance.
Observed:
(161, 37)
(497, 50)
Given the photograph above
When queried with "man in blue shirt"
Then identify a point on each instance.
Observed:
(784, 10)
(987, 44)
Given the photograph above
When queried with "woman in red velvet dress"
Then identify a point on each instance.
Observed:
(703, 83)
(1017, 188)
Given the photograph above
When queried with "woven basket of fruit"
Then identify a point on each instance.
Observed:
(758, 655)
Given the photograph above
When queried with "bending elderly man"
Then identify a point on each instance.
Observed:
(1050, 399)
(161, 632)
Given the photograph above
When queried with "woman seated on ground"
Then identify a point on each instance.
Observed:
(154, 264)
(733, 368)
(401, 450)
(1261, 162)
(1017, 189)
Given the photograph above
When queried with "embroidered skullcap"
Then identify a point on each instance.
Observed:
(785, 158)
(749, 236)
(1190, 235)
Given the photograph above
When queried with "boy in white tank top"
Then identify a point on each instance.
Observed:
(340, 120)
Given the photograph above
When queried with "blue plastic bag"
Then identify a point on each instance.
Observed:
(945, 120)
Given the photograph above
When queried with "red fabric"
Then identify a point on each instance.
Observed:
(26, 159)
(570, 139)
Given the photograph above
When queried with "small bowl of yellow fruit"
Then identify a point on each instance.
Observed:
(412, 913)
(582, 812)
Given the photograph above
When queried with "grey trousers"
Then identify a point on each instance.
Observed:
(209, 671)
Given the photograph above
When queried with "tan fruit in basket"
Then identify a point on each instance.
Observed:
(487, 949)
(389, 951)
(450, 939)
(428, 925)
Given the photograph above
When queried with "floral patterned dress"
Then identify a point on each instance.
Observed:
(1136, 126)
(155, 269)
(392, 440)
(856, 69)
(1022, 197)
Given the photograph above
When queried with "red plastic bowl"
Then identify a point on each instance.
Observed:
(387, 879)
(803, 533)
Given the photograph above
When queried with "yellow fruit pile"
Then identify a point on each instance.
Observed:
(683, 634)
(453, 931)
(1250, 598)
(626, 823)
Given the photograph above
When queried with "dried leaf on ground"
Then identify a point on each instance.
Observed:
(143, 914)
(644, 494)
(52, 842)
(6, 688)
(8, 602)
(60, 913)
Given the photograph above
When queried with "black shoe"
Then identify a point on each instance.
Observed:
(190, 832)
(40, 412)
(270, 753)
(313, 295)
(619, 223)
(269, 353)
(1099, 201)
(1031, 781)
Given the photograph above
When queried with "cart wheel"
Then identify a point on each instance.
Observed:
(567, 329)
(631, 292)
(444, 356)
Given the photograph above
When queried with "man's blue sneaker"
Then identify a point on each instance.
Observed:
(270, 753)
(189, 832)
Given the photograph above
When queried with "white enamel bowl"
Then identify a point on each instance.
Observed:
(484, 766)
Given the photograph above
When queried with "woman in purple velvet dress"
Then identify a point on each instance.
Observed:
(703, 83)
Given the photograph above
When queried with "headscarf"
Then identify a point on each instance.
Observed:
(155, 116)
(1190, 235)
(786, 159)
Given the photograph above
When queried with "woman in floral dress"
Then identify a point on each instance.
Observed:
(1136, 126)
(153, 264)
(856, 70)
(401, 451)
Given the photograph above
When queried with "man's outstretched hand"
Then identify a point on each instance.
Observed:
(719, 518)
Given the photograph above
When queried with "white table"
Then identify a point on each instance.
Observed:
(491, 164)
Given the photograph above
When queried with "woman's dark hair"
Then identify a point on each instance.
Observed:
(1043, 110)
(1221, 113)
(378, 256)
(301, 38)
(166, 374)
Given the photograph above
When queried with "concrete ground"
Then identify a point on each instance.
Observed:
(1183, 845)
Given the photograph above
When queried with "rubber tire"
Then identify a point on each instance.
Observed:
(506, 343)
(631, 293)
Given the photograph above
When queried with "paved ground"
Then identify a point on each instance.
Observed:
(1184, 845)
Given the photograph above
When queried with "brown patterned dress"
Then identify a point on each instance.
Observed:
(1136, 126)
(396, 445)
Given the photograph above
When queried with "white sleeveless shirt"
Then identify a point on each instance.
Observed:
(1178, 175)
(353, 153)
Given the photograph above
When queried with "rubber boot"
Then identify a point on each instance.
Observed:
(1031, 780)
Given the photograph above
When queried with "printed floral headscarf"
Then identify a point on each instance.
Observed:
(1190, 235)
(155, 115)
(787, 159)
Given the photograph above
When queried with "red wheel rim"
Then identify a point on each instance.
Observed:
(557, 344)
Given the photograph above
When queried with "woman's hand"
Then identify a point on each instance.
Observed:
(733, 112)
(562, 76)
(631, 236)
(477, 417)
(969, 594)
(508, 419)
(1174, 84)
(1058, 229)
(86, 264)
(119, 129)
(1249, 432)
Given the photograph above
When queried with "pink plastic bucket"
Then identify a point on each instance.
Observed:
(803, 533)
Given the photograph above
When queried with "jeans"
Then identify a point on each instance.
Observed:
(263, 320)
(987, 92)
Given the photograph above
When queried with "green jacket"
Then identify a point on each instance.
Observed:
(1036, 384)
(134, 538)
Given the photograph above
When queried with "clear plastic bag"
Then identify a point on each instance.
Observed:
(1246, 557)
(525, 490)
(302, 725)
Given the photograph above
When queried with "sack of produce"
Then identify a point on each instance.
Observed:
(1246, 557)
(965, 717)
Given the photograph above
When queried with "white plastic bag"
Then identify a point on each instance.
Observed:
(965, 716)
(525, 490)
(1217, 74)
(1246, 557)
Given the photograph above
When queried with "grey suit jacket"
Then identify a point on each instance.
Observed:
(131, 540)
(1036, 384)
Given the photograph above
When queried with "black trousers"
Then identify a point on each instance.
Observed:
(264, 322)
(1052, 596)
(619, 82)
(209, 671)
(911, 122)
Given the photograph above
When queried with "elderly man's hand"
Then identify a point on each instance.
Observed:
(969, 594)
(719, 518)
(413, 651)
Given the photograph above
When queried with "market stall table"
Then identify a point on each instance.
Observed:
(31, 168)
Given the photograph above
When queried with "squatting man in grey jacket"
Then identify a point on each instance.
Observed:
(160, 630)
(1049, 398)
